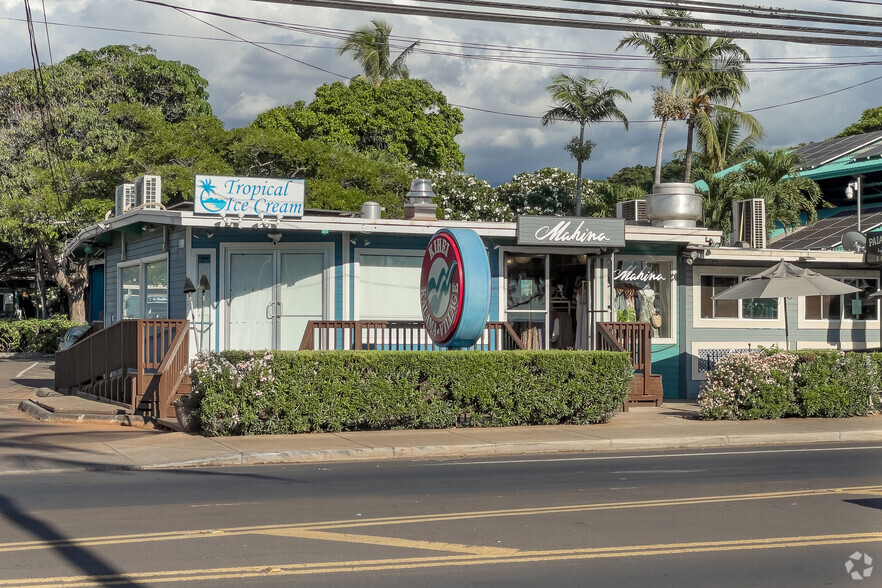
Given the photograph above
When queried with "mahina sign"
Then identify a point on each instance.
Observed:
(235, 196)
(455, 288)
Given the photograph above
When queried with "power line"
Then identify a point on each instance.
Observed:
(579, 24)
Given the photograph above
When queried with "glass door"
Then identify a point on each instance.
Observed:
(526, 300)
(272, 295)
(300, 296)
(251, 299)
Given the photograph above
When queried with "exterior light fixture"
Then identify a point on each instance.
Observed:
(853, 189)
(275, 237)
(189, 288)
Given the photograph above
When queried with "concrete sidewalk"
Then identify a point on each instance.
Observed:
(86, 439)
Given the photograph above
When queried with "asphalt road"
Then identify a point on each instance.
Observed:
(767, 517)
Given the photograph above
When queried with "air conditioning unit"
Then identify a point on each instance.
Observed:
(126, 198)
(148, 190)
(749, 222)
(631, 210)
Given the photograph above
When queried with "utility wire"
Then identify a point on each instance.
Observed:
(576, 24)
(531, 56)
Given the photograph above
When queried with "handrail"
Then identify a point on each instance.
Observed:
(121, 363)
(173, 371)
(395, 336)
(633, 338)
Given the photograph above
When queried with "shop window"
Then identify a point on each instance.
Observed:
(644, 294)
(857, 306)
(144, 290)
(752, 308)
(388, 286)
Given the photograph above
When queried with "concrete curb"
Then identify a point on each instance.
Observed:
(38, 412)
(512, 449)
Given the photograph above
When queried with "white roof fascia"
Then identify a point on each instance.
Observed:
(735, 254)
(633, 233)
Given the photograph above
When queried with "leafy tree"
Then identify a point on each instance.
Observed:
(465, 197)
(58, 145)
(405, 118)
(549, 191)
(639, 176)
(774, 176)
(337, 177)
(605, 196)
(717, 200)
(582, 101)
(871, 120)
(369, 47)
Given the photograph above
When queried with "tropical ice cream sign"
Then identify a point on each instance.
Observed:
(233, 196)
(455, 288)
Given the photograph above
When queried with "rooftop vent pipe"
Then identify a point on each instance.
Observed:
(419, 204)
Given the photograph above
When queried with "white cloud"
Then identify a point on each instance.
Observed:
(245, 80)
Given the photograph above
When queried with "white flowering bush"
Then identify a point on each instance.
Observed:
(752, 385)
(234, 397)
(465, 197)
(549, 191)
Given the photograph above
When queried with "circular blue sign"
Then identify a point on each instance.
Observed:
(455, 288)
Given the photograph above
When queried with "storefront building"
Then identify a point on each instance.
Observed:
(262, 276)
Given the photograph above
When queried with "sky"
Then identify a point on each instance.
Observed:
(799, 92)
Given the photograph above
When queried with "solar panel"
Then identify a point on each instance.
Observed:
(827, 233)
(815, 154)
(869, 152)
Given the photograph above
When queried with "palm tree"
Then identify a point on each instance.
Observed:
(605, 195)
(726, 143)
(370, 48)
(717, 200)
(717, 77)
(584, 101)
(671, 53)
(774, 176)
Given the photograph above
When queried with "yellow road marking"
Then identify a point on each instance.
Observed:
(230, 573)
(392, 542)
(413, 519)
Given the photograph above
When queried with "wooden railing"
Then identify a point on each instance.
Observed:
(395, 336)
(633, 338)
(136, 363)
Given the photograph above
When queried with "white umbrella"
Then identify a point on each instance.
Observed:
(783, 280)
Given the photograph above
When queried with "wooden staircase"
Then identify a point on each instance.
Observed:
(634, 338)
(139, 364)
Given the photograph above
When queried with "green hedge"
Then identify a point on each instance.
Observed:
(772, 384)
(33, 335)
(242, 393)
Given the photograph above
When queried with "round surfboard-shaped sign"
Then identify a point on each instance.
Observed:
(455, 288)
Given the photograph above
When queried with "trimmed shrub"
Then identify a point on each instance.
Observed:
(245, 393)
(33, 335)
(773, 384)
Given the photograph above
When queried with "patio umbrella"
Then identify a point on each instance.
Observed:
(784, 280)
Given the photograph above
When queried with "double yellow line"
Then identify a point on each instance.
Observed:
(457, 554)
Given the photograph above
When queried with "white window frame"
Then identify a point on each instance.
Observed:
(361, 252)
(211, 296)
(804, 323)
(728, 323)
(141, 263)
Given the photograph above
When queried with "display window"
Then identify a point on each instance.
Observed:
(644, 293)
